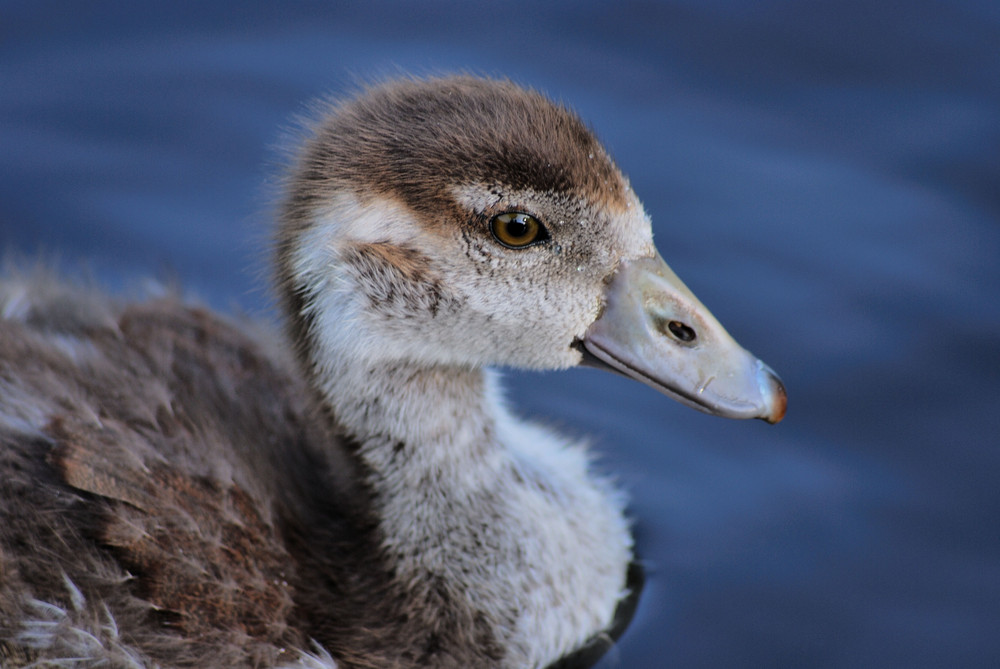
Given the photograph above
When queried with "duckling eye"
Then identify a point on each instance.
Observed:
(517, 230)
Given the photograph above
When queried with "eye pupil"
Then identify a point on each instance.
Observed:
(517, 227)
(517, 230)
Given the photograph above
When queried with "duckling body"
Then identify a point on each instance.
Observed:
(177, 491)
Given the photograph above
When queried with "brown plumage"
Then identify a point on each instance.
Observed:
(114, 494)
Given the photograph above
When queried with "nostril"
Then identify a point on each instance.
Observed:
(681, 331)
(678, 331)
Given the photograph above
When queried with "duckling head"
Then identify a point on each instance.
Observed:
(463, 222)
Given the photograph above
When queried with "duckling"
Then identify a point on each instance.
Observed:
(181, 490)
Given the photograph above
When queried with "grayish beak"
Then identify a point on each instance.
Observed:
(654, 330)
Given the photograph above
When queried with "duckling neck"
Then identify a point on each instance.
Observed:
(407, 418)
(501, 516)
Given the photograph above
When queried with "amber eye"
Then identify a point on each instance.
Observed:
(516, 230)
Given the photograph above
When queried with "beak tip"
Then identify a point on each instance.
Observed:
(776, 396)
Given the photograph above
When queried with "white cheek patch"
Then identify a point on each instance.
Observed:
(345, 221)
(341, 223)
(319, 264)
(315, 249)
(381, 220)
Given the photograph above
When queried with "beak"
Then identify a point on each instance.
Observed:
(654, 330)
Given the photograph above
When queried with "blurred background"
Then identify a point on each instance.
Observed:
(825, 176)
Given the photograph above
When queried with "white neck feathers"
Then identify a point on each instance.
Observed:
(495, 509)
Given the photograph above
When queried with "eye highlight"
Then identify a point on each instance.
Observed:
(516, 230)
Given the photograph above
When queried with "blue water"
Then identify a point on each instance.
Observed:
(824, 175)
